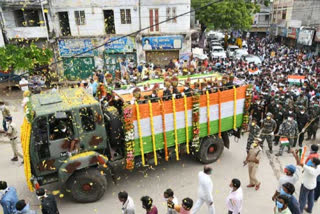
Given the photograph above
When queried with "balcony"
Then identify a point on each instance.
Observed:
(27, 32)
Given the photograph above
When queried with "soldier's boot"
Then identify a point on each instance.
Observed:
(270, 149)
(280, 151)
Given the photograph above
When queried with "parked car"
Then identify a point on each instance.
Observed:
(231, 49)
(217, 52)
(215, 43)
(252, 59)
(239, 53)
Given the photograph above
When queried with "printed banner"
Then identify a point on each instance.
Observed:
(162, 42)
(71, 47)
(120, 45)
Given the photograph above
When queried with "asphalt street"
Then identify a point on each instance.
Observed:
(181, 176)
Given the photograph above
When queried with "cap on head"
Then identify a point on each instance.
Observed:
(40, 192)
(269, 114)
(291, 168)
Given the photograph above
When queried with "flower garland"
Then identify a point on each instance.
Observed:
(234, 108)
(129, 135)
(186, 122)
(140, 134)
(195, 121)
(219, 101)
(208, 111)
(246, 112)
(164, 130)
(152, 135)
(25, 143)
(175, 127)
(28, 111)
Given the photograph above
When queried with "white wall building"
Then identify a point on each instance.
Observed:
(80, 25)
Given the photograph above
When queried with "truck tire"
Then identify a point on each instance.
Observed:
(87, 185)
(210, 150)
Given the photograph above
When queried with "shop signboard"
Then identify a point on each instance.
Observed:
(120, 45)
(292, 32)
(305, 36)
(162, 42)
(71, 47)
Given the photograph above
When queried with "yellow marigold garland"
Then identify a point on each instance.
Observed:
(152, 135)
(234, 108)
(25, 143)
(175, 127)
(140, 134)
(186, 122)
(208, 111)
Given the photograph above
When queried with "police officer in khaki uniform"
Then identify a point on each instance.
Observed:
(13, 136)
(5, 113)
(253, 161)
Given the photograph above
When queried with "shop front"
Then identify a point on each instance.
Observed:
(119, 51)
(292, 34)
(79, 67)
(159, 50)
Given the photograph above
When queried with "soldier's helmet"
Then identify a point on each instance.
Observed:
(269, 114)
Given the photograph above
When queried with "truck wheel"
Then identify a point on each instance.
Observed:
(210, 150)
(87, 185)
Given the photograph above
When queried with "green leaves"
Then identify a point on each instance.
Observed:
(25, 58)
(226, 15)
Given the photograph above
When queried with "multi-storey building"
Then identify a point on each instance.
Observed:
(78, 26)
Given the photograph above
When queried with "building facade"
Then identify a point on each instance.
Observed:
(262, 20)
(296, 22)
(78, 26)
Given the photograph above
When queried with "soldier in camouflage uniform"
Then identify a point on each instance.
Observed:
(254, 131)
(314, 112)
(269, 125)
(288, 129)
(278, 117)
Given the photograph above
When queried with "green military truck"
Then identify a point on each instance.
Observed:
(67, 137)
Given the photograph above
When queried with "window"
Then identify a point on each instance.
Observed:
(171, 13)
(267, 17)
(154, 19)
(80, 17)
(27, 18)
(109, 21)
(284, 14)
(87, 119)
(125, 16)
(60, 128)
(64, 23)
(40, 133)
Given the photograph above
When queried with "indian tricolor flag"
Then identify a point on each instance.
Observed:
(227, 118)
(296, 79)
(254, 71)
(284, 141)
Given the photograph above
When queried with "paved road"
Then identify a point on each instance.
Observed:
(181, 176)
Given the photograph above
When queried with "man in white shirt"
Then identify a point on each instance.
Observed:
(204, 191)
(169, 197)
(311, 170)
(127, 203)
(290, 176)
(24, 84)
(235, 198)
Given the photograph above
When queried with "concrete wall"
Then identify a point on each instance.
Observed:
(1, 39)
(182, 24)
(307, 11)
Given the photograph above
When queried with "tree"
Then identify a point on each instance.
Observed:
(227, 14)
(25, 58)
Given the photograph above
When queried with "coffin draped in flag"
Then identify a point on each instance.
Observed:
(230, 112)
(296, 79)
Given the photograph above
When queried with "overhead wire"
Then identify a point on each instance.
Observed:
(118, 38)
